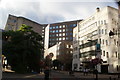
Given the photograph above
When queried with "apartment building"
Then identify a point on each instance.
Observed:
(59, 33)
(62, 31)
(14, 23)
(94, 32)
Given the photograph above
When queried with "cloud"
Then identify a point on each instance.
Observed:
(49, 11)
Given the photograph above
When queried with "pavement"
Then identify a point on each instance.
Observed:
(90, 75)
(77, 75)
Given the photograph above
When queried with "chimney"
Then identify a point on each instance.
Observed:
(97, 9)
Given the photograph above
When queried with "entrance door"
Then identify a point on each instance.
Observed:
(104, 68)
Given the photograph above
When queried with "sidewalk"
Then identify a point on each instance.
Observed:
(90, 75)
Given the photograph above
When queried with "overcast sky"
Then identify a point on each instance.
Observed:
(51, 11)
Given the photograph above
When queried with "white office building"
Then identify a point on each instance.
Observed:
(94, 31)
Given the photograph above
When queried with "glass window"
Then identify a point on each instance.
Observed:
(66, 38)
(105, 31)
(107, 55)
(60, 30)
(63, 38)
(71, 29)
(116, 54)
(59, 38)
(66, 34)
(71, 33)
(53, 27)
(115, 41)
(100, 41)
(103, 41)
(63, 34)
(50, 31)
(63, 26)
(102, 31)
(104, 21)
(74, 25)
(71, 25)
(56, 34)
(60, 34)
(53, 31)
(66, 29)
(101, 22)
(56, 27)
(63, 30)
(60, 26)
(103, 53)
(71, 38)
(99, 31)
(56, 31)
(106, 42)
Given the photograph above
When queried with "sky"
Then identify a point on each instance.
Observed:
(51, 11)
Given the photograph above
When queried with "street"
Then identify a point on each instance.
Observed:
(56, 75)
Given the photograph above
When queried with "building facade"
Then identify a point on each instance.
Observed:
(94, 32)
(59, 33)
(62, 31)
(14, 23)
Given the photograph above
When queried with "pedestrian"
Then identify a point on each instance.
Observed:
(84, 71)
(47, 73)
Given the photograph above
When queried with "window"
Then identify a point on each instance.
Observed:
(66, 38)
(56, 27)
(60, 34)
(63, 38)
(70, 33)
(63, 26)
(74, 25)
(53, 27)
(106, 42)
(66, 29)
(116, 54)
(53, 31)
(107, 55)
(63, 30)
(100, 41)
(56, 31)
(101, 22)
(103, 41)
(71, 38)
(66, 34)
(103, 53)
(60, 30)
(59, 38)
(99, 31)
(63, 34)
(105, 31)
(115, 41)
(104, 21)
(70, 29)
(60, 26)
(102, 31)
(50, 31)
(56, 34)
